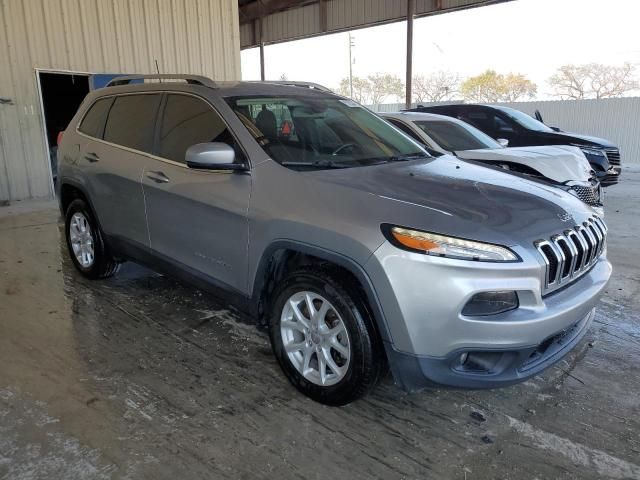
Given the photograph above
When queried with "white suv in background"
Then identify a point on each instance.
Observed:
(563, 166)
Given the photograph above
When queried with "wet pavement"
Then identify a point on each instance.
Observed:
(140, 376)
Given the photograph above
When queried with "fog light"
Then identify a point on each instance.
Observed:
(491, 303)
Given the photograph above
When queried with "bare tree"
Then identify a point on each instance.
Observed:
(594, 80)
(491, 87)
(383, 85)
(360, 89)
(436, 87)
(516, 87)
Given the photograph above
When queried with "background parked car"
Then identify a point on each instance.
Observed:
(563, 166)
(522, 130)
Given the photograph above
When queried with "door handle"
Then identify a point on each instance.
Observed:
(157, 177)
(91, 157)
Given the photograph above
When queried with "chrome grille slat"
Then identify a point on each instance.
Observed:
(568, 257)
(594, 227)
(573, 252)
(592, 243)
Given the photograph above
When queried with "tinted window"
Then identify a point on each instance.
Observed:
(317, 132)
(525, 120)
(187, 121)
(131, 121)
(93, 122)
(454, 136)
(403, 128)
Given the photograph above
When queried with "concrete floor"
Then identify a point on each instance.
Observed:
(142, 377)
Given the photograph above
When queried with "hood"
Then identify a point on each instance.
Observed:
(449, 196)
(558, 163)
(578, 138)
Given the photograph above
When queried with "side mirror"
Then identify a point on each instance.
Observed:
(555, 129)
(503, 142)
(212, 156)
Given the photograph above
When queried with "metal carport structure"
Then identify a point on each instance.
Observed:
(264, 22)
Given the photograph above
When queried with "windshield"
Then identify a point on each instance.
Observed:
(304, 132)
(525, 120)
(453, 136)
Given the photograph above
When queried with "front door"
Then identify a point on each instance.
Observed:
(197, 218)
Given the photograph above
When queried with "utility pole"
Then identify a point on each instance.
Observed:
(351, 44)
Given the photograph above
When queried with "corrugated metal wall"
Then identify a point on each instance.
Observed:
(305, 21)
(615, 119)
(97, 36)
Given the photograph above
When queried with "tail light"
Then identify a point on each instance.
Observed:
(59, 139)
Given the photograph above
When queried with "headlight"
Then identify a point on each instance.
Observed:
(592, 151)
(450, 247)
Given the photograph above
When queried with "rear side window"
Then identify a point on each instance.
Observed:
(131, 121)
(403, 128)
(187, 121)
(93, 122)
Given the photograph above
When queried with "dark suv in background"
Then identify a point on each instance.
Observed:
(522, 130)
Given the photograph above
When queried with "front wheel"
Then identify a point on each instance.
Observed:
(323, 337)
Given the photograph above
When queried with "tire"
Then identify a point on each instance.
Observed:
(85, 242)
(351, 376)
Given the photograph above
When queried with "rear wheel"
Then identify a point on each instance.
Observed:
(85, 242)
(323, 338)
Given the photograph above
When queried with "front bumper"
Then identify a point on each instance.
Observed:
(422, 299)
(610, 177)
(508, 366)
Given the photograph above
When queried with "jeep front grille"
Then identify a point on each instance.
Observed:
(573, 252)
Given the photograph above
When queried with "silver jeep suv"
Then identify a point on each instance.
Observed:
(355, 247)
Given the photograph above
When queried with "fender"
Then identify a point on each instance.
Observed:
(330, 256)
(78, 186)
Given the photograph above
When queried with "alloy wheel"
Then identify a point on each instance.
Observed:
(315, 338)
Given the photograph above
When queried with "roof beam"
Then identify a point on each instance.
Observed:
(262, 8)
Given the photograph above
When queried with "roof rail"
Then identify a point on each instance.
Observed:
(192, 79)
(315, 86)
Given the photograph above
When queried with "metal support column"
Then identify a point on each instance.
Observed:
(411, 8)
(261, 52)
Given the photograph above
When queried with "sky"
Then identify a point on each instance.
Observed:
(531, 37)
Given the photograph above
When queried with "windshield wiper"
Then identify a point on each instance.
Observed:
(318, 164)
(410, 156)
(395, 158)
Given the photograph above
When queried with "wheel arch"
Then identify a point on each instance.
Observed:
(70, 191)
(278, 258)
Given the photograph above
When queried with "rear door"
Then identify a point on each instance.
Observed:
(197, 218)
(118, 162)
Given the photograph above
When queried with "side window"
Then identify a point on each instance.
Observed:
(93, 122)
(131, 121)
(187, 121)
(479, 119)
(402, 127)
(503, 127)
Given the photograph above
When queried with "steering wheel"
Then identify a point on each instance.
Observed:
(342, 147)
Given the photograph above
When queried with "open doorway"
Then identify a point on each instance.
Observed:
(61, 93)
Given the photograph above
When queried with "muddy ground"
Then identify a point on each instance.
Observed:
(142, 377)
